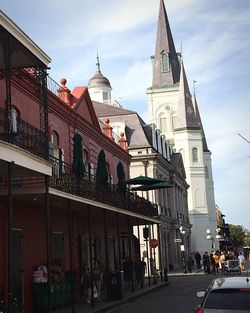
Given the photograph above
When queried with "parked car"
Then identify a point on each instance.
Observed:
(225, 294)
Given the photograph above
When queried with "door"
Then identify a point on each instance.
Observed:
(17, 269)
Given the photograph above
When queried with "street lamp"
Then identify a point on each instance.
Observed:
(211, 236)
(183, 232)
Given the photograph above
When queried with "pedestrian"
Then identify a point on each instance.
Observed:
(97, 280)
(143, 265)
(197, 257)
(222, 260)
(242, 261)
(206, 263)
(212, 261)
(138, 272)
(127, 272)
(86, 284)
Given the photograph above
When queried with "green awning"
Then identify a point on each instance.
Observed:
(153, 187)
(144, 180)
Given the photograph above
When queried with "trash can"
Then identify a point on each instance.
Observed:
(114, 286)
(40, 296)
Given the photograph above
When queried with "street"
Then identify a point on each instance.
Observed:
(178, 297)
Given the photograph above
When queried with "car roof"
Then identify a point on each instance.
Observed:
(231, 282)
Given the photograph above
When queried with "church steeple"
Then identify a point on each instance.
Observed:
(166, 66)
(186, 118)
(199, 122)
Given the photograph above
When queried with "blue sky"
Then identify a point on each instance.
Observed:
(214, 36)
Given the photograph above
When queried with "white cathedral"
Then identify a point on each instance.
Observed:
(176, 114)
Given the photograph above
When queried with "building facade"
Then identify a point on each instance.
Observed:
(173, 111)
(61, 207)
(152, 157)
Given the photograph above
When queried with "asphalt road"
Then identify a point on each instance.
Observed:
(178, 297)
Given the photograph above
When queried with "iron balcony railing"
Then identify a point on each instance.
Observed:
(63, 179)
(23, 135)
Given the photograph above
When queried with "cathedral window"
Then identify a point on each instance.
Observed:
(195, 155)
(163, 124)
(206, 172)
(165, 62)
(174, 122)
(182, 154)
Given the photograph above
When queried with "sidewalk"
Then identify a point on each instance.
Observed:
(106, 306)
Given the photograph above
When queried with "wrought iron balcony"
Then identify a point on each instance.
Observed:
(23, 135)
(63, 179)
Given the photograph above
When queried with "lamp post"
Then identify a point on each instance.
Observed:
(211, 236)
(183, 232)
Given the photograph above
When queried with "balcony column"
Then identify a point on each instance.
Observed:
(118, 240)
(10, 238)
(7, 62)
(48, 239)
(159, 251)
(106, 246)
(70, 255)
(139, 239)
(90, 255)
(131, 255)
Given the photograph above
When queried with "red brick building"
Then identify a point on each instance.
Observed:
(53, 211)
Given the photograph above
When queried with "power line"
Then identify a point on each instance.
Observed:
(243, 138)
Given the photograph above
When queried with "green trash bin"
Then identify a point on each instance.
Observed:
(40, 296)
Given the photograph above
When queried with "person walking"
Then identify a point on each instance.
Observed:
(197, 257)
(206, 263)
(86, 284)
(242, 261)
(222, 260)
(97, 280)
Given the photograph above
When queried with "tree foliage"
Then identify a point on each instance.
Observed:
(237, 235)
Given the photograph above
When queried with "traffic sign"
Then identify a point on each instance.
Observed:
(153, 243)
(177, 240)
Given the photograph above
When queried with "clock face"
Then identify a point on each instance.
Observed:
(167, 108)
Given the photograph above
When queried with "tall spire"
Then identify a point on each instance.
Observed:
(97, 63)
(166, 66)
(199, 122)
(186, 118)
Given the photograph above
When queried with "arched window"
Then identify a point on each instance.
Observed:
(165, 62)
(54, 153)
(163, 123)
(174, 118)
(182, 154)
(15, 119)
(85, 156)
(110, 178)
(206, 172)
(195, 155)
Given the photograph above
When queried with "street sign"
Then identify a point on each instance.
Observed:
(177, 240)
(153, 243)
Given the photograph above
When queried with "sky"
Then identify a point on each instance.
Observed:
(214, 39)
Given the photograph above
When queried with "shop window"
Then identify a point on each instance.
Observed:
(195, 155)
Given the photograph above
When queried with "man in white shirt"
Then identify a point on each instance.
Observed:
(242, 261)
